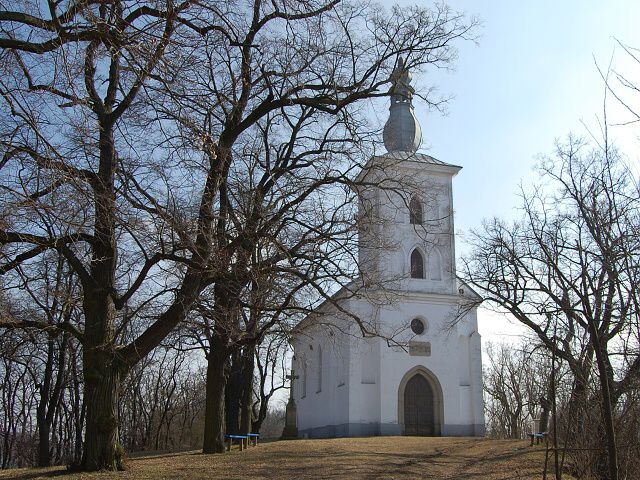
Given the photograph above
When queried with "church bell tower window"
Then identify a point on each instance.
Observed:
(417, 264)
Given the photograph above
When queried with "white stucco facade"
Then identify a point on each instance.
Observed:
(354, 386)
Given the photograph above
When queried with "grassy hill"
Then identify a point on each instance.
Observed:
(376, 457)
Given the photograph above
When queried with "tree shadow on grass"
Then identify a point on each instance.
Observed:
(28, 475)
(459, 464)
(453, 461)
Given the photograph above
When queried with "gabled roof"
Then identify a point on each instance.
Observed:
(468, 290)
(340, 295)
(418, 158)
(326, 303)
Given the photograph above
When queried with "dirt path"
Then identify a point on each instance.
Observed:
(358, 458)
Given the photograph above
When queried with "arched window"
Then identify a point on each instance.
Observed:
(417, 264)
(319, 369)
(415, 211)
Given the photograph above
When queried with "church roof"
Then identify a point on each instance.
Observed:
(419, 158)
(405, 160)
(347, 292)
(466, 290)
(339, 295)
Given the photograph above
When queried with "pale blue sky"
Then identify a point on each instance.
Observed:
(531, 79)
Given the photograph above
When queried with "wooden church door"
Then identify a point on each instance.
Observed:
(418, 407)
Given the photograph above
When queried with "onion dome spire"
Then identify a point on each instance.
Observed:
(402, 132)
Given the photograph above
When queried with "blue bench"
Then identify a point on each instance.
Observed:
(537, 436)
(254, 437)
(241, 441)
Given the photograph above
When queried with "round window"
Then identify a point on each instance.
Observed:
(417, 326)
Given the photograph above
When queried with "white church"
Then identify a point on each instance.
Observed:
(422, 373)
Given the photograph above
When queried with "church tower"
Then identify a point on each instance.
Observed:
(407, 231)
(423, 374)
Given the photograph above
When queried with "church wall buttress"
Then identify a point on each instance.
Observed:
(477, 399)
(368, 365)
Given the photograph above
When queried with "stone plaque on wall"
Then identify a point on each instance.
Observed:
(420, 349)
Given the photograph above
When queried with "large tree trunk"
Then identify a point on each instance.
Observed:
(605, 377)
(44, 430)
(101, 448)
(546, 404)
(44, 451)
(256, 425)
(545, 411)
(103, 375)
(233, 393)
(214, 416)
(50, 397)
(103, 371)
(579, 404)
(246, 401)
(225, 317)
(79, 408)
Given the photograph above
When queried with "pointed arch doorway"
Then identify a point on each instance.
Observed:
(420, 409)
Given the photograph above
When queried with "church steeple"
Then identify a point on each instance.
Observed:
(402, 132)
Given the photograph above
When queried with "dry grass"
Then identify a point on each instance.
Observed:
(376, 457)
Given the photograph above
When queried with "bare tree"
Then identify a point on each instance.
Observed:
(55, 296)
(624, 87)
(123, 124)
(38, 399)
(569, 272)
(162, 402)
(271, 360)
(278, 111)
(70, 83)
(505, 385)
